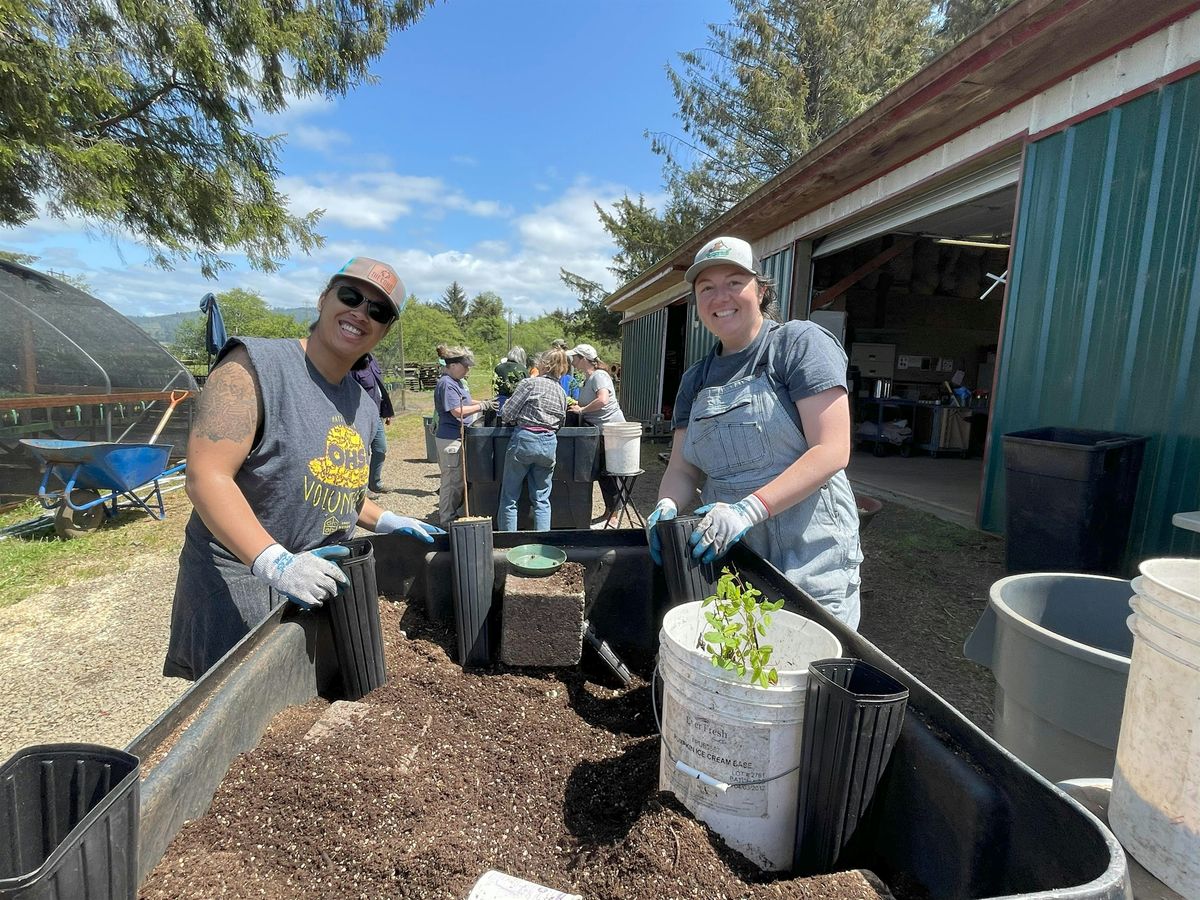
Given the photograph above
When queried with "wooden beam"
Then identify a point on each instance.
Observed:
(44, 401)
(825, 299)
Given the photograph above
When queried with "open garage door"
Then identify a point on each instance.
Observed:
(974, 198)
(919, 290)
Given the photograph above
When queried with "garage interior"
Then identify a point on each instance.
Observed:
(918, 309)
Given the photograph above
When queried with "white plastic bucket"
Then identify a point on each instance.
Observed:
(622, 447)
(725, 731)
(1175, 582)
(1155, 808)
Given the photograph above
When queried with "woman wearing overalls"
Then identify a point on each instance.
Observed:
(762, 427)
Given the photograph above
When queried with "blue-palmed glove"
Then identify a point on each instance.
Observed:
(723, 525)
(666, 509)
(390, 523)
(307, 579)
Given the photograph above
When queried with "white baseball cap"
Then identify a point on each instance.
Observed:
(722, 251)
(587, 351)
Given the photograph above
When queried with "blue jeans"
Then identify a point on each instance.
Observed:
(530, 458)
(378, 452)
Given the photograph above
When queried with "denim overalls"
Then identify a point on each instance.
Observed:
(741, 436)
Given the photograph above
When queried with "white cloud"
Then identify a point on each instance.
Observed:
(314, 137)
(376, 200)
(462, 159)
(519, 257)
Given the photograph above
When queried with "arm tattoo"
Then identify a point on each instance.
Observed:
(228, 408)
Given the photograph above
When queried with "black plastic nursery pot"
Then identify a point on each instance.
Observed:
(474, 579)
(688, 579)
(354, 623)
(69, 823)
(853, 714)
(954, 815)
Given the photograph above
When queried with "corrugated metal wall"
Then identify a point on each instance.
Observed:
(641, 366)
(699, 339)
(778, 266)
(1102, 316)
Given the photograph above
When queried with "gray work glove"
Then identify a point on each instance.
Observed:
(487, 405)
(723, 525)
(307, 579)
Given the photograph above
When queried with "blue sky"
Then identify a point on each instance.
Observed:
(477, 156)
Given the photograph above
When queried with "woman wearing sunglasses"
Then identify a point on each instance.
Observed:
(278, 462)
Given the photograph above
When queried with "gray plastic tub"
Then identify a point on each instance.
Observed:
(1059, 648)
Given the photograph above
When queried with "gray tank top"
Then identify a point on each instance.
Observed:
(306, 476)
(305, 479)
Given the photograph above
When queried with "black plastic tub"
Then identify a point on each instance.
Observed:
(576, 467)
(69, 823)
(955, 815)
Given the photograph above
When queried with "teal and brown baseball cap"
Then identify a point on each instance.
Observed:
(378, 275)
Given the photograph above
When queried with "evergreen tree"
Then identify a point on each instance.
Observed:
(770, 85)
(485, 305)
(454, 304)
(139, 116)
(593, 318)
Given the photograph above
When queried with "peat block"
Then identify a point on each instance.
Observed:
(542, 622)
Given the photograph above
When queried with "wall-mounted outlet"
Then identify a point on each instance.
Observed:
(945, 365)
(903, 362)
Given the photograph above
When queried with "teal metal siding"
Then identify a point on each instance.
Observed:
(778, 267)
(1101, 324)
(641, 366)
(699, 339)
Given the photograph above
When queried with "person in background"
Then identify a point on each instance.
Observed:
(455, 410)
(598, 406)
(762, 425)
(537, 410)
(277, 471)
(368, 374)
(508, 374)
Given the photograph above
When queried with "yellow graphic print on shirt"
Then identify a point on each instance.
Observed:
(339, 478)
(345, 461)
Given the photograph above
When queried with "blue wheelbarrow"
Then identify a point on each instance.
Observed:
(100, 479)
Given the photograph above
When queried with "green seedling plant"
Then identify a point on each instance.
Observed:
(737, 617)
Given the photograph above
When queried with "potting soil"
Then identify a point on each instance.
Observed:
(543, 774)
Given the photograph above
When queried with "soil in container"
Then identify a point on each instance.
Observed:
(542, 774)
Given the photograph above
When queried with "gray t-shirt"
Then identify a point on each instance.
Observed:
(802, 358)
(599, 381)
(305, 479)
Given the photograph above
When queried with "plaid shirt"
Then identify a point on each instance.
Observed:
(539, 402)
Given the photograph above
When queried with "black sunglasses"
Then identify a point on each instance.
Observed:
(381, 312)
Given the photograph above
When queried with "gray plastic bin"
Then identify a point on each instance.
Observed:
(1059, 648)
(430, 435)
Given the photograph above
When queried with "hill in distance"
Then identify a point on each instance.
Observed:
(162, 328)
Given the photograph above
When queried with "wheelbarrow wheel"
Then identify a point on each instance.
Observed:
(69, 523)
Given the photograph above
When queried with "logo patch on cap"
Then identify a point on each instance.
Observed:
(719, 249)
(384, 277)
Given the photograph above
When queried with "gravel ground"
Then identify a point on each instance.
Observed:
(83, 662)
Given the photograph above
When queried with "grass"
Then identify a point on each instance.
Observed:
(31, 564)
